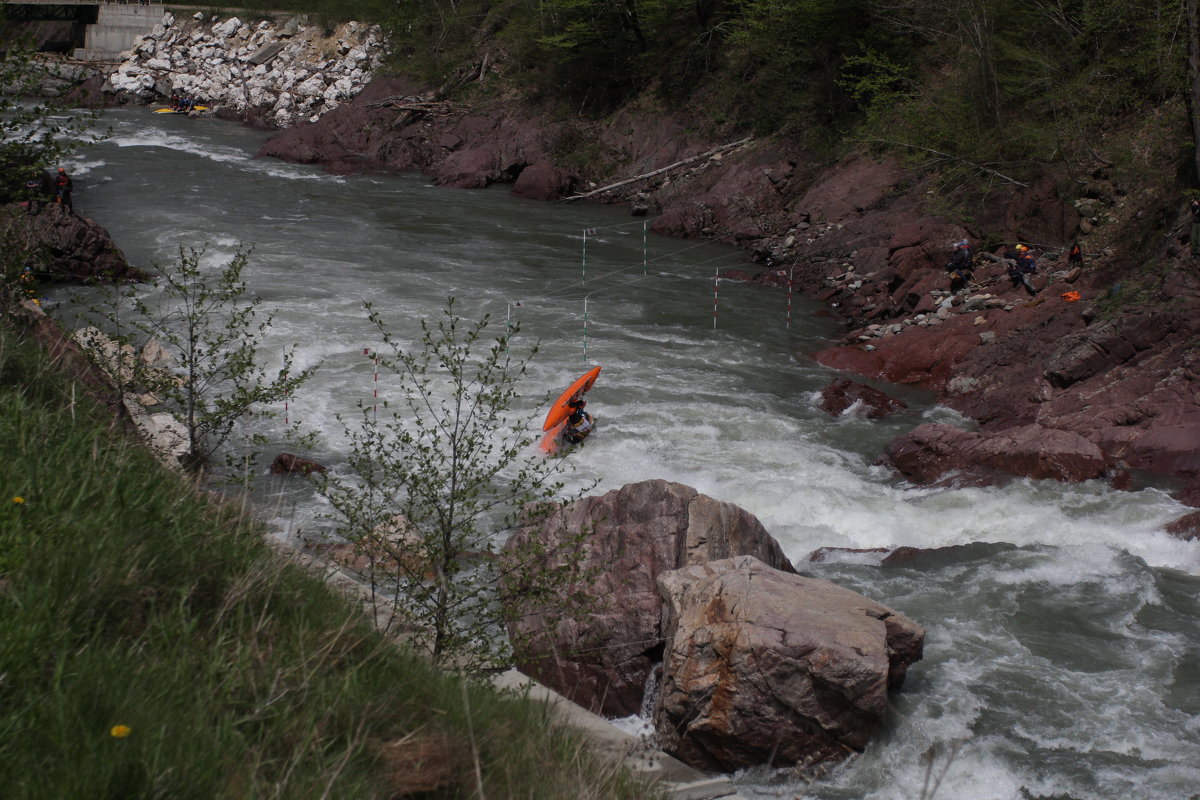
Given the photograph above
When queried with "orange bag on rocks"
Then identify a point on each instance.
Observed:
(1071, 297)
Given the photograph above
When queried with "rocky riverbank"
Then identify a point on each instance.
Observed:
(270, 72)
(1103, 386)
(1059, 388)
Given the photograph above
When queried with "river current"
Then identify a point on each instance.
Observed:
(1062, 657)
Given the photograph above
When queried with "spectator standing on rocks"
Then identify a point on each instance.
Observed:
(960, 266)
(64, 186)
(1021, 268)
(1028, 266)
(1075, 255)
(34, 194)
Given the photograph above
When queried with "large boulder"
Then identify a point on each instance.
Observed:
(766, 667)
(543, 181)
(72, 247)
(626, 539)
(930, 451)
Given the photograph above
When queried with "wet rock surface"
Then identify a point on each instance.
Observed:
(289, 463)
(931, 451)
(844, 394)
(1186, 527)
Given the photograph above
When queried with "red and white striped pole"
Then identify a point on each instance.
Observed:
(716, 281)
(791, 272)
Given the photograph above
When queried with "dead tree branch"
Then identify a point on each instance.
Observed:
(950, 157)
(660, 171)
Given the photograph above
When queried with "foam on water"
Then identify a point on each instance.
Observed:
(1061, 620)
(179, 144)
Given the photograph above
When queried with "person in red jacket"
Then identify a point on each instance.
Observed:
(64, 186)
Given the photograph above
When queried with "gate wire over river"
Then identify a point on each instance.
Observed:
(562, 292)
(1062, 620)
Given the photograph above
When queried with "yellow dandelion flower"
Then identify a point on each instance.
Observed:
(18, 500)
(120, 731)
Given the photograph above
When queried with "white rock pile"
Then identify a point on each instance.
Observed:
(292, 72)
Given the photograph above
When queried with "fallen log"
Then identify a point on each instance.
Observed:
(660, 171)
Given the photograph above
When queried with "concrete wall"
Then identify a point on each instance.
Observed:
(118, 27)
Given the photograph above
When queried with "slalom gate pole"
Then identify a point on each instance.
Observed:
(645, 229)
(791, 272)
(375, 383)
(583, 259)
(286, 397)
(716, 280)
(585, 304)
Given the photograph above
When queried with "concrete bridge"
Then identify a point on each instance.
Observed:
(101, 30)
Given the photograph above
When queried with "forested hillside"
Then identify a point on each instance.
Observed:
(1006, 84)
(985, 92)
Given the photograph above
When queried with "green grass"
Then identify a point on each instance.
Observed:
(129, 598)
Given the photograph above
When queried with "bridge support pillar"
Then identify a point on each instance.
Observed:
(117, 29)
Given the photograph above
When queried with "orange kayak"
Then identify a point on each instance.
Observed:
(562, 406)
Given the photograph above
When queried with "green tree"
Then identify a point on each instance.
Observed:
(432, 487)
(35, 133)
(789, 56)
(211, 328)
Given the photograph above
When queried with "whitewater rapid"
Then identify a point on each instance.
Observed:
(1062, 638)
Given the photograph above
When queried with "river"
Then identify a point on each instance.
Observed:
(1062, 657)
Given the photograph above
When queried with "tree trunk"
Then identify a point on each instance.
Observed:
(1194, 74)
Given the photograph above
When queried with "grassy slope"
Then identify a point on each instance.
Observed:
(129, 599)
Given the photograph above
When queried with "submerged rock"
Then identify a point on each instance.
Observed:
(286, 463)
(932, 450)
(839, 396)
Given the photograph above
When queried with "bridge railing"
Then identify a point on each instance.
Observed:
(81, 2)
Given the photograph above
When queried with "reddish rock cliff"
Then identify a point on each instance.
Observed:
(1119, 371)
